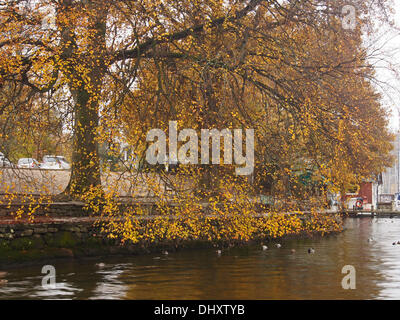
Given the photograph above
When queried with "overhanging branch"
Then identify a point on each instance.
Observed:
(142, 48)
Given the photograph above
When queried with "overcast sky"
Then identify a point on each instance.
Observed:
(390, 39)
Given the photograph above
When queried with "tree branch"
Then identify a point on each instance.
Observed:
(141, 48)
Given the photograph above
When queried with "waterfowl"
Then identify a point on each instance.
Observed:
(311, 250)
(398, 242)
(394, 243)
(165, 252)
(100, 265)
(278, 245)
(293, 251)
(3, 282)
(219, 252)
(370, 239)
(264, 247)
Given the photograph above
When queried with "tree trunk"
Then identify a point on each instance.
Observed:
(85, 171)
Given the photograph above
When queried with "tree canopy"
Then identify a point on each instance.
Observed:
(109, 71)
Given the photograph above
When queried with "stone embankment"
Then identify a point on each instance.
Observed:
(67, 230)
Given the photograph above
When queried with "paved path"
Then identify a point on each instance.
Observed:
(39, 182)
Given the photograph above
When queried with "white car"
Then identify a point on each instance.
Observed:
(55, 162)
(4, 162)
(29, 163)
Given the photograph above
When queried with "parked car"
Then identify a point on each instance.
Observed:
(4, 162)
(55, 162)
(27, 163)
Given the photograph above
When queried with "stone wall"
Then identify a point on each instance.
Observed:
(68, 209)
(30, 242)
(80, 229)
(58, 230)
(70, 238)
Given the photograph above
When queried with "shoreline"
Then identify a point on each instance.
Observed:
(47, 254)
(54, 235)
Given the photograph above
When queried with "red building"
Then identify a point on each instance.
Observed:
(365, 192)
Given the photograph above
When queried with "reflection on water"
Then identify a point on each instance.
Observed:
(239, 273)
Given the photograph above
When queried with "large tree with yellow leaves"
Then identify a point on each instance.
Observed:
(285, 68)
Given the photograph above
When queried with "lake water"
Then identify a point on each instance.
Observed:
(239, 273)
